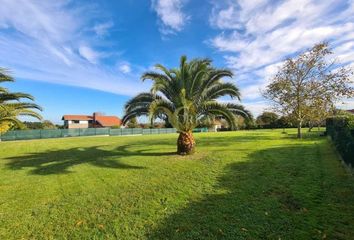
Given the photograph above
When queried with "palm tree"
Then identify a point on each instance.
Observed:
(184, 96)
(11, 106)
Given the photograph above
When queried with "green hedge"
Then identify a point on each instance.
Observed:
(341, 130)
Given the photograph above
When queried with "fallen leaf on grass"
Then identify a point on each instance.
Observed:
(79, 223)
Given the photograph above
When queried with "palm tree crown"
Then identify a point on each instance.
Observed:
(185, 95)
(11, 106)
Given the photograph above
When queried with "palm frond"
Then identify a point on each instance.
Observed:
(5, 75)
(22, 105)
(12, 120)
(240, 110)
(162, 106)
(186, 94)
(220, 110)
(222, 89)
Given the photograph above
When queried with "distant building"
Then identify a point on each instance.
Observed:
(350, 111)
(97, 120)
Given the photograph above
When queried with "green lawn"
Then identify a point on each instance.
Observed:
(239, 185)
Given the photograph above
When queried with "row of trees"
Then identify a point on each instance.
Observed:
(45, 124)
(14, 105)
(272, 120)
(304, 91)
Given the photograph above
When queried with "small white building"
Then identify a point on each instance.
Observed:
(86, 121)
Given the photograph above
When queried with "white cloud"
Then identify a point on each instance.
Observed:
(102, 28)
(89, 54)
(230, 17)
(346, 104)
(31, 61)
(171, 14)
(256, 36)
(46, 41)
(273, 31)
(125, 68)
(257, 107)
(345, 52)
(226, 19)
(251, 92)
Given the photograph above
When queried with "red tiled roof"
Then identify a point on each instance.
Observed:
(77, 117)
(108, 121)
(351, 111)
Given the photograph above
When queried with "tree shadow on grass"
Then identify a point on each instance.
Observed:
(276, 194)
(59, 161)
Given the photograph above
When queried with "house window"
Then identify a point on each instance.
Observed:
(76, 121)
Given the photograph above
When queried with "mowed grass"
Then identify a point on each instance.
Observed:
(238, 185)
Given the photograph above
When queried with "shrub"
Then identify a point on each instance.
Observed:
(341, 130)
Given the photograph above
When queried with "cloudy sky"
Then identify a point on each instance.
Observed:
(80, 56)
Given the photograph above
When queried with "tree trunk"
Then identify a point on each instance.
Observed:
(299, 134)
(185, 143)
(310, 126)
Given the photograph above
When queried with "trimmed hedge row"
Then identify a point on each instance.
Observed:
(341, 130)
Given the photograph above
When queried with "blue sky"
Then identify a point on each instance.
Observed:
(81, 56)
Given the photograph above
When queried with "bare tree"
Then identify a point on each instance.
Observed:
(306, 79)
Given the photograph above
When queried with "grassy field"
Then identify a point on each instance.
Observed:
(239, 185)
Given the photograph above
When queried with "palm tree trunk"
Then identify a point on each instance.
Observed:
(185, 143)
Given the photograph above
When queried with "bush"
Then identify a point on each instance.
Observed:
(341, 130)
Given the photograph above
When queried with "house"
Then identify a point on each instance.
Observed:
(350, 111)
(97, 120)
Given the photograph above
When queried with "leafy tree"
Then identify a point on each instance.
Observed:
(341, 112)
(304, 80)
(319, 110)
(284, 122)
(59, 126)
(11, 106)
(184, 96)
(33, 125)
(267, 120)
(133, 123)
(46, 124)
